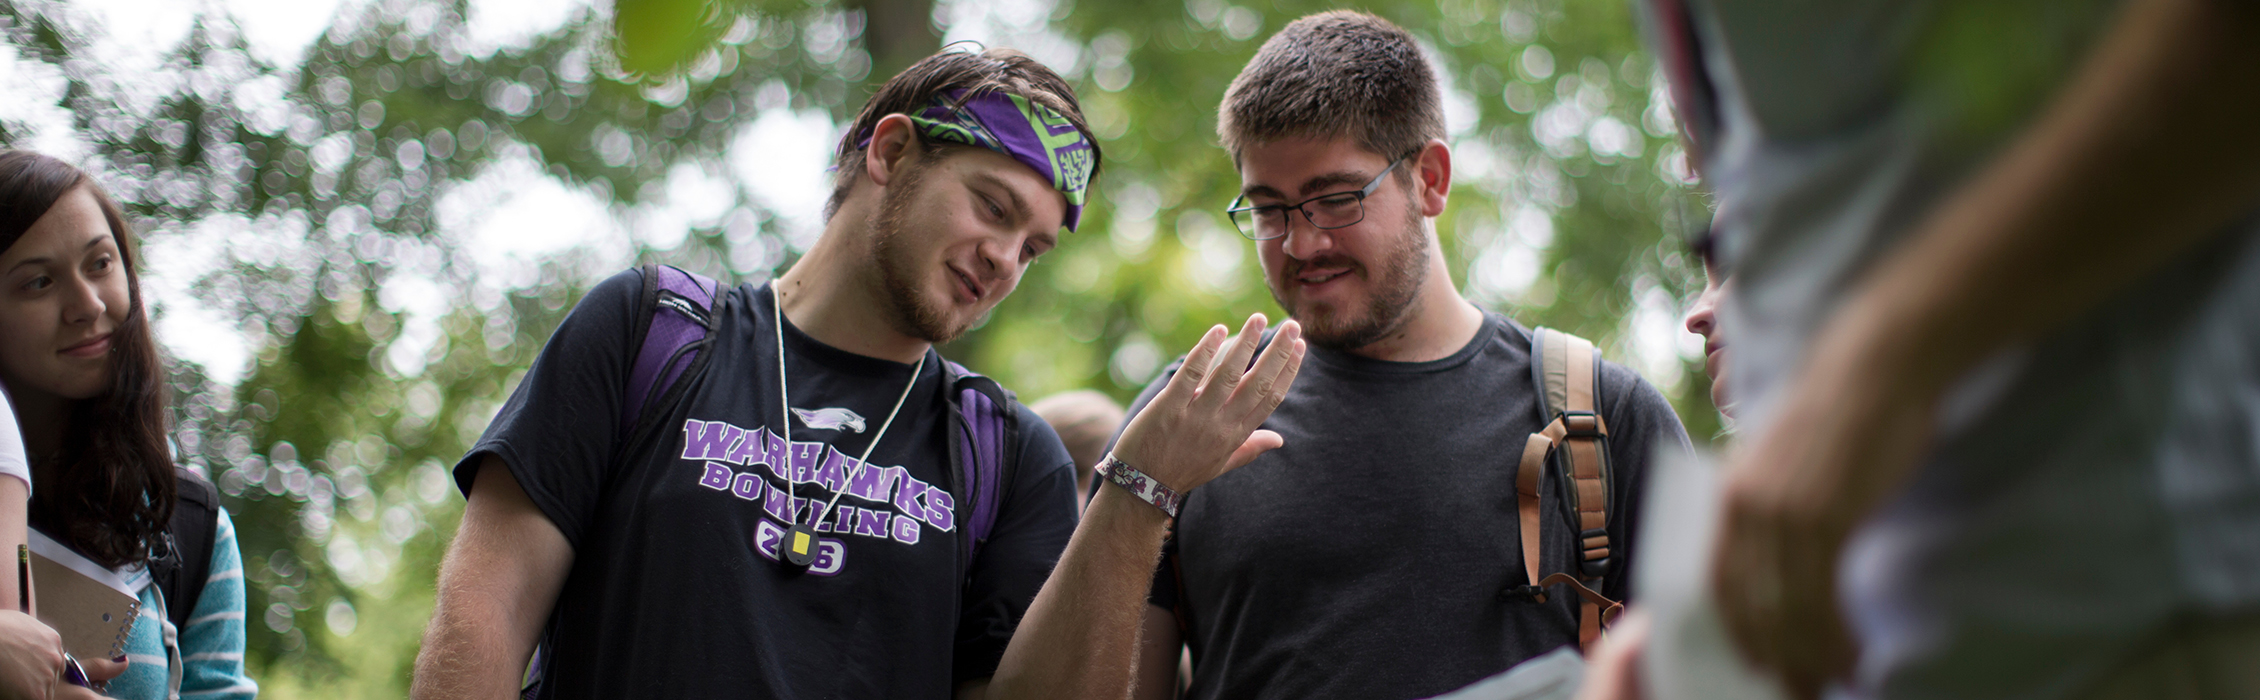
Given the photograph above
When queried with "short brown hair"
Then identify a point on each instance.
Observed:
(1335, 74)
(976, 73)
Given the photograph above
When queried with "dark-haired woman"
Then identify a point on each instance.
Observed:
(78, 361)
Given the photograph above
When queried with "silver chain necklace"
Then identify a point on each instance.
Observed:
(800, 540)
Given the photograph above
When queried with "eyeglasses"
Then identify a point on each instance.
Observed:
(1326, 211)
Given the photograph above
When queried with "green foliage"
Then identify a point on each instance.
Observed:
(329, 182)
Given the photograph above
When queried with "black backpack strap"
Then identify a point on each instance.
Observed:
(182, 569)
(984, 451)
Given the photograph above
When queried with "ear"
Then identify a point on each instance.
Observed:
(894, 141)
(1433, 170)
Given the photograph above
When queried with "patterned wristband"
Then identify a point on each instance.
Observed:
(1146, 488)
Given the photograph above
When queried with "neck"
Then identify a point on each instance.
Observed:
(1439, 322)
(833, 295)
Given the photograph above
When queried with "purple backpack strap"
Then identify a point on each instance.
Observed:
(675, 306)
(983, 441)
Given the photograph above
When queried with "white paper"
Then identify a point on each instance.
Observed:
(54, 551)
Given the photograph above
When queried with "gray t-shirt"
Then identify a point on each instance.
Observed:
(2084, 489)
(1374, 555)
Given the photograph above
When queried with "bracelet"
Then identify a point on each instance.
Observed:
(1146, 488)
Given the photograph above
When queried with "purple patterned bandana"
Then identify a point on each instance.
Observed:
(1010, 124)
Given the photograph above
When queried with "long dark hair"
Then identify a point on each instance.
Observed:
(109, 492)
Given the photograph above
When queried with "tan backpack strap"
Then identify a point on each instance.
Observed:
(1595, 612)
(1526, 501)
(1579, 430)
(1576, 431)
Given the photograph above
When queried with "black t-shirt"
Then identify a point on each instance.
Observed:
(1372, 555)
(675, 590)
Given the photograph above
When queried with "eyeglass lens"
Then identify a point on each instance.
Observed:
(1266, 223)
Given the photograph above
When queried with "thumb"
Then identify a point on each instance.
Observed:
(1259, 442)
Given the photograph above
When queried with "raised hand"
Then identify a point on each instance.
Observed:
(1204, 422)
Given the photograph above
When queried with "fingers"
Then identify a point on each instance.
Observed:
(1258, 442)
(1234, 364)
(1193, 374)
(66, 691)
(1267, 383)
(102, 669)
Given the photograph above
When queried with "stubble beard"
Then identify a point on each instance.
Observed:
(908, 311)
(1396, 283)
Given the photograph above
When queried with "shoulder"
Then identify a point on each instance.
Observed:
(621, 291)
(1510, 340)
(615, 297)
(607, 310)
(194, 489)
(1038, 440)
(1036, 443)
(1623, 387)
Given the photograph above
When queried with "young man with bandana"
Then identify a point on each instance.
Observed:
(646, 564)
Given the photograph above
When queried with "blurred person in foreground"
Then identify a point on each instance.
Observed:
(655, 563)
(1993, 360)
(1375, 552)
(80, 367)
(1085, 420)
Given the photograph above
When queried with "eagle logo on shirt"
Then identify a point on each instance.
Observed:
(830, 419)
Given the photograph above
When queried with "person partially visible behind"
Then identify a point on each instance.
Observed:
(1085, 420)
(79, 363)
(1613, 672)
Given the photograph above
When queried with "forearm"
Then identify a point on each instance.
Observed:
(501, 576)
(2138, 160)
(482, 632)
(15, 499)
(1080, 636)
(468, 653)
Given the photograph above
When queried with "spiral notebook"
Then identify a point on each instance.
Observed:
(90, 606)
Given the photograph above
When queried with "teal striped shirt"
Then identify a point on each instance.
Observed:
(210, 650)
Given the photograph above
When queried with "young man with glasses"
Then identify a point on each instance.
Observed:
(1376, 552)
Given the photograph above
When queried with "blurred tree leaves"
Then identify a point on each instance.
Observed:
(324, 206)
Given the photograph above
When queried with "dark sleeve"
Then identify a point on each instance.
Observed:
(1642, 430)
(556, 432)
(1031, 532)
(1164, 591)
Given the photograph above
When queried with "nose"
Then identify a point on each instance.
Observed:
(1702, 318)
(1307, 243)
(1001, 254)
(82, 301)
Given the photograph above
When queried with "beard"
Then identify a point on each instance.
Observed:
(1396, 290)
(907, 310)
